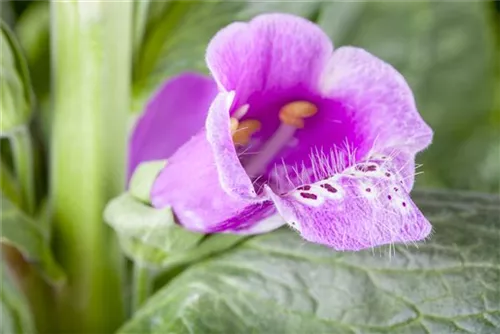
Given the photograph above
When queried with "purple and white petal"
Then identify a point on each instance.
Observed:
(174, 114)
(231, 174)
(272, 52)
(363, 207)
(379, 100)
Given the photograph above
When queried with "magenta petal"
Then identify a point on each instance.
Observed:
(271, 52)
(205, 185)
(176, 113)
(364, 206)
(380, 102)
(233, 177)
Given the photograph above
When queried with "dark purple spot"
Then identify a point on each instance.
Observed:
(306, 187)
(308, 195)
(329, 187)
(396, 189)
(368, 190)
(364, 168)
(388, 174)
(404, 204)
(389, 197)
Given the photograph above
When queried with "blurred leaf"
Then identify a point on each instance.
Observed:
(6, 13)
(143, 178)
(14, 311)
(448, 53)
(8, 184)
(17, 97)
(277, 283)
(32, 29)
(152, 238)
(209, 246)
(20, 6)
(147, 235)
(141, 9)
(178, 33)
(21, 232)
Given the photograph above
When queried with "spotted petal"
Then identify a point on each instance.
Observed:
(364, 206)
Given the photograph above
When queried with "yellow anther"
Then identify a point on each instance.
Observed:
(233, 125)
(244, 131)
(294, 113)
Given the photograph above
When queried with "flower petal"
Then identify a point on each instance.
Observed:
(176, 113)
(363, 207)
(380, 101)
(271, 52)
(232, 176)
(205, 184)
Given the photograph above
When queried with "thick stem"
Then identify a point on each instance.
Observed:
(142, 285)
(91, 45)
(22, 151)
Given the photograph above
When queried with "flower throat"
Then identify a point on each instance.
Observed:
(292, 117)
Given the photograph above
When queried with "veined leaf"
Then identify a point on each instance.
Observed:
(278, 283)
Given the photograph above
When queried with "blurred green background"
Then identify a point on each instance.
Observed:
(448, 51)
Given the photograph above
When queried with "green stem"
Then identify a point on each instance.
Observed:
(22, 151)
(142, 285)
(91, 54)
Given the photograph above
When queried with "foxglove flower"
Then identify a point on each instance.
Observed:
(287, 131)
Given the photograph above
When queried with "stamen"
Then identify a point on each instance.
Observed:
(241, 111)
(233, 125)
(292, 117)
(244, 130)
(294, 113)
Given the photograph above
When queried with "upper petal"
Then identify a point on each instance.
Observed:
(271, 52)
(176, 113)
(379, 101)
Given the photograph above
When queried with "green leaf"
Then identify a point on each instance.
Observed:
(448, 53)
(17, 96)
(141, 9)
(152, 239)
(9, 185)
(21, 232)
(14, 310)
(178, 33)
(147, 235)
(6, 13)
(278, 283)
(143, 178)
(32, 29)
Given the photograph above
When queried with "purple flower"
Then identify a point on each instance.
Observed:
(288, 131)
